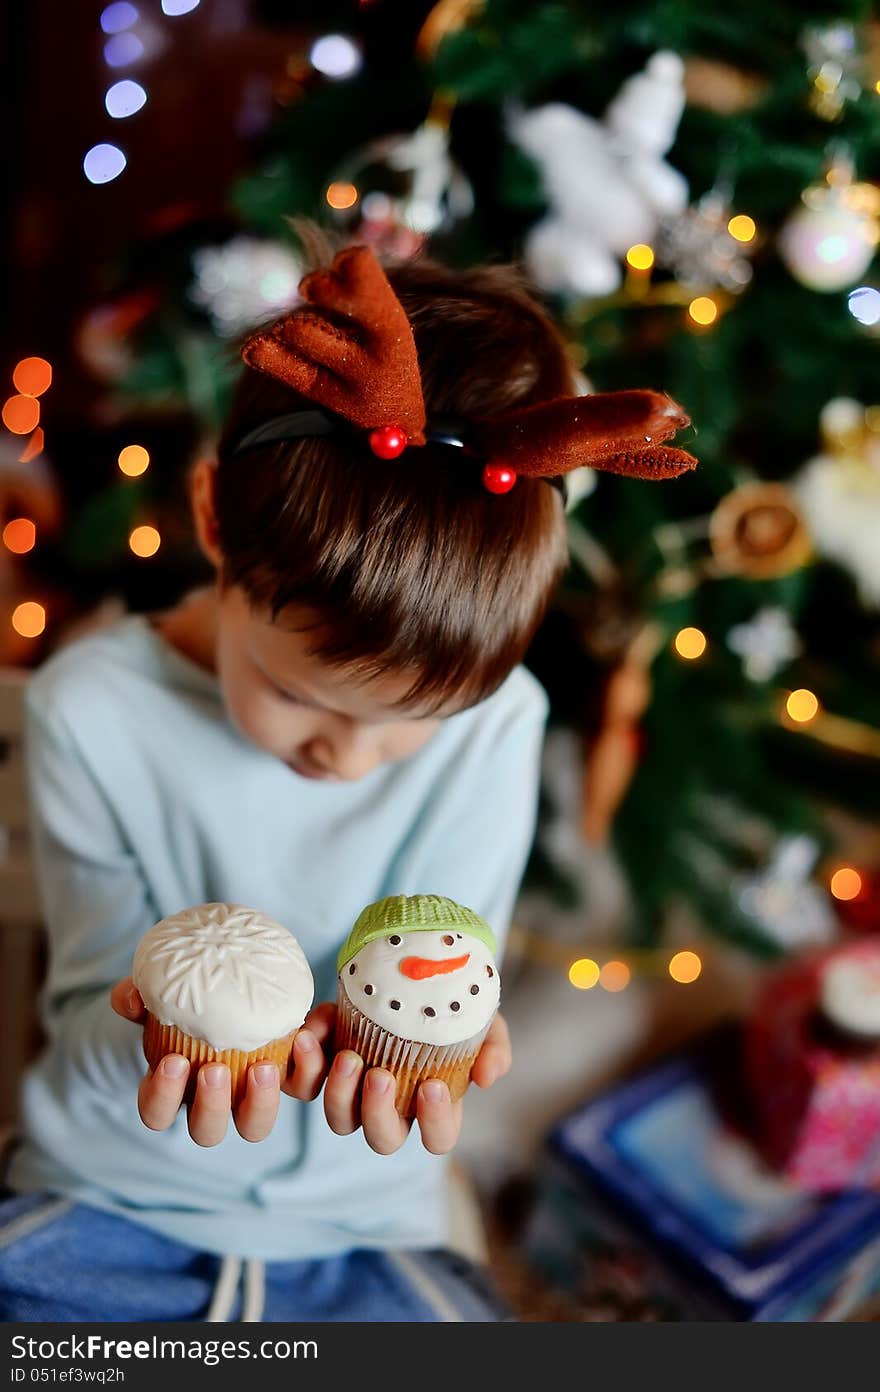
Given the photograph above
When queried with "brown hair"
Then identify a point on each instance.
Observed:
(409, 565)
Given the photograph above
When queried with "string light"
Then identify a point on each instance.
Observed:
(640, 257)
(21, 414)
(584, 973)
(133, 460)
(32, 376)
(29, 619)
(703, 310)
(103, 163)
(19, 536)
(685, 967)
(144, 541)
(742, 228)
(341, 196)
(615, 976)
(846, 883)
(801, 706)
(690, 643)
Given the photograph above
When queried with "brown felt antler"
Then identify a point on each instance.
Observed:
(620, 431)
(356, 354)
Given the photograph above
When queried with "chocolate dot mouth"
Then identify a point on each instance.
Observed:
(395, 1005)
(455, 1005)
(429, 1011)
(368, 990)
(475, 990)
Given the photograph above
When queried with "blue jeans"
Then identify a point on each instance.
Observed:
(61, 1260)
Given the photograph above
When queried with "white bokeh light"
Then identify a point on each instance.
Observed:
(124, 98)
(864, 305)
(103, 163)
(116, 18)
(178, 7)
(336, 55)
(123, 49)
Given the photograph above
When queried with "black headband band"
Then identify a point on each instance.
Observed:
(441, 430)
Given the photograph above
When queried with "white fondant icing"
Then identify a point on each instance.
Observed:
(378, 965)
(850, 992)
(226, 974)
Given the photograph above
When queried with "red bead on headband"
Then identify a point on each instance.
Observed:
(351, 350)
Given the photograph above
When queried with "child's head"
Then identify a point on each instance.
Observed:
(387, 594)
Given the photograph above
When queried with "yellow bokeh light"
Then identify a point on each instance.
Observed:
(690, 643)
(21, 414)
(685, 967)
(846, 883)
(341, 195)
(877, 86)
(29, 619)
(742, 228)
(133, 460)
(614, 976)
(19, 535)
(802, 705)
(703, 310)
(584, 973)
(144, 541)
(640, 257)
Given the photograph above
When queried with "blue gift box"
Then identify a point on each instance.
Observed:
(660, 1166)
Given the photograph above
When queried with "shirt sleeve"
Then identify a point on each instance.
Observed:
(92, 890)
(473, 839)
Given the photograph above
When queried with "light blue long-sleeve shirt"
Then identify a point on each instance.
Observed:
(146, 800)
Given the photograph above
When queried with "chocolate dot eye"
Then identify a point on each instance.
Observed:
(429, 1011)
(448, 939)
(489, 971)
(395, 1005)
(368, 990)
(458, 935)
(454, 1005)
(394, 939)
(352, 969)
(475, 990)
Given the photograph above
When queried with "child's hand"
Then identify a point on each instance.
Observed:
(161, 1091)
(349, 1105)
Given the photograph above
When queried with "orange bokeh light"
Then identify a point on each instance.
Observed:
(802, 706)
(145, 541)
(846, 883)
(133, 460)
(341, 196)
(29, 619)
(685, 967)
(21, 414)
(19, 535)
(614, 976)
(32, 376)
(33, 447)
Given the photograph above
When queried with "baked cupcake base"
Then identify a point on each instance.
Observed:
(410, 1061)
(160, 1040)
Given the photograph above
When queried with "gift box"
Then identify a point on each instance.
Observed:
(816, 1087)
(655, 1194)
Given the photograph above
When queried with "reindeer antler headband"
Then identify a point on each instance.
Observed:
(353, 354)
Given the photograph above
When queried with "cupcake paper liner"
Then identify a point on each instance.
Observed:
(410, 1061)
(160, 1040)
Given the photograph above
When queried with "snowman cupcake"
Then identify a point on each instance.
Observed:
(222, 984)
(418, 990)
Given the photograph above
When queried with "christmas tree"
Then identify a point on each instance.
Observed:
(694, 192)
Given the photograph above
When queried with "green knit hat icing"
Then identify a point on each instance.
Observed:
(412, 913)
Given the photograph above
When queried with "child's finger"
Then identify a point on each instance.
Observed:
(127, 1001)
(341, 1104)
(307, 1068)
(495, 1057)
(439, 1118)
(209, 1113)
(161, 1092)
(255, 1115)
(385, 1130)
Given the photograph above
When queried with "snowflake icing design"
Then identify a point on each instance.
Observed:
(225, 944)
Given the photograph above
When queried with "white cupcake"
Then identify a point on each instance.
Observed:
(222, 984)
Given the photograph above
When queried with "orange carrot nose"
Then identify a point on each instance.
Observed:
(417, 968)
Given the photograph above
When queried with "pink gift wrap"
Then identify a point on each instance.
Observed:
(818, 1110)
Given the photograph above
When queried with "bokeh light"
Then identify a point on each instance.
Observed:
(33, 447)
(21, 414)
(29, 619)
(336, 55)
(802, 705)
(863, 304)
(145, 541)
(685, 967)
(846, 883)
(703, 310)
(584, 973)
(614, 976)
(103, 163)
(341, 195)
(124, 98)
(742, 228)
(178, 7)
(690, 643)
(133, 460)
(116, 18)
(122, 50)
(19, 535)
(640, 257)
(32, 376)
